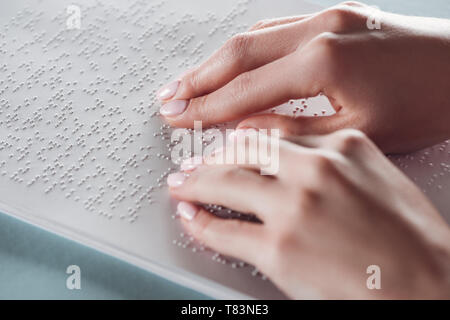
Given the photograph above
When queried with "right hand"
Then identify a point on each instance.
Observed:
(335, 206)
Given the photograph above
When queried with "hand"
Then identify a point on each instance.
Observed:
(336, 206)
(391, 83)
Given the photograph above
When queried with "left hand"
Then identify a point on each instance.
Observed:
(336, 206)
(390, 83)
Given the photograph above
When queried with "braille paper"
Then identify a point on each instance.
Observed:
(83, 150)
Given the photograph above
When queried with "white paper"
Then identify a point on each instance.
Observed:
(78, 115)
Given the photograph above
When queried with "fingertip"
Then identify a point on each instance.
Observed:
(168, 91)
(190, 85)
(177, 114)
(195, 220)
(175, 89)
(173, 108)
(187, 210)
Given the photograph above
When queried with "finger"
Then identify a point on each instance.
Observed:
(277, 22)
(326, 18)
(316, 132)
(249, 149)
(347, 142)
(243, 52)
(299, 126)
(248, 51)
(240, 239)
(309, 141)
(228, 181)
(287, 78)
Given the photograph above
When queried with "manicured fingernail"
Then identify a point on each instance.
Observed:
(173, 108)
(187, 210)
(246, 128)
(191, 164)
(176, 179)
(168, 91)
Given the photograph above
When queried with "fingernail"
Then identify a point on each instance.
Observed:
(191, 164)
(168, 91)
(173, 108)
(187, 210)
(176, 179)
(246, 128)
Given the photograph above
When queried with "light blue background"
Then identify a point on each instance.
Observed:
(33, 261)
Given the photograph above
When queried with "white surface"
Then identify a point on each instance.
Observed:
(64, 110)
(78, 115)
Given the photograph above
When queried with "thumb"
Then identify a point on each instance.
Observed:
(290, 126)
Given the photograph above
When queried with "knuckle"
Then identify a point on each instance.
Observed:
(328, 44)
(191, 81)
(323, 167)
(236, 47)
(339, 18)
(234, 175)
(330, 53)
(260, 24)
(305, 202)
(230, 174)
(198, 108)
(349, 141)
(281, 239)
(351, 4)
(309, 198)
(322, 170)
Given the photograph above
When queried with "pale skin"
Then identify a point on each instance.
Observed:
(337, 205)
